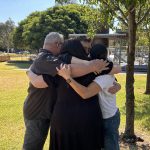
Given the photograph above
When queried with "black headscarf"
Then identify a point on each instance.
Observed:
(74, 48)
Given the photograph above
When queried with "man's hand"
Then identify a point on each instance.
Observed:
(98, 65)
(115, 88)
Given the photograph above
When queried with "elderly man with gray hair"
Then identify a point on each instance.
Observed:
(39, 103)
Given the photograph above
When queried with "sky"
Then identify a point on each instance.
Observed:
(18, 10)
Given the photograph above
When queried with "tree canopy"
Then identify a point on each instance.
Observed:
(131, 13)
(63, 19)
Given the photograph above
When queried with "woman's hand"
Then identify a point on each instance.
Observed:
(64, 71)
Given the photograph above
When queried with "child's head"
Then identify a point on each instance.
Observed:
(99, 51)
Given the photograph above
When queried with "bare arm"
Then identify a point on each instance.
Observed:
(76, 60)
(82, 67)
(83, 91)
(115, 88)
(36, 80)
(115, 70)
(77, 70)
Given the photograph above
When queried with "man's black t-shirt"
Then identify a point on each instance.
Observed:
(40, 101)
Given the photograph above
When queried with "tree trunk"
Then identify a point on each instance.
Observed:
(148, 74)
(129, 129)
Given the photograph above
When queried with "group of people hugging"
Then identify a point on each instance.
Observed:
(72, 93)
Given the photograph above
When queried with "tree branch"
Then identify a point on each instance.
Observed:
(116, 5)
(123, 20)
(144, 16)
(139, 13)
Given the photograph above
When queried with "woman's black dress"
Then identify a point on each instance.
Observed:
(76, 123)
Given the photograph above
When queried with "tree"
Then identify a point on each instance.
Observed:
(66, 2)
(26, 32)
(6, 34)
(66, 19)
(130, 13)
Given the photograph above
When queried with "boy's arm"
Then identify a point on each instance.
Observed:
(115, 88)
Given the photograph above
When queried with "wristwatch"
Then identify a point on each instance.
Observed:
(68, 80)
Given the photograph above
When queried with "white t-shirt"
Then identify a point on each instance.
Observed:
(107, 100)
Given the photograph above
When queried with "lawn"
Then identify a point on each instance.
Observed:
(13, 90)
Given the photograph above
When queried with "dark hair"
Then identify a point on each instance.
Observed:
(74, 48)
(98, 51)
(84, 39)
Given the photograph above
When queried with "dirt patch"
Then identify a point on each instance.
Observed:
(145, 145)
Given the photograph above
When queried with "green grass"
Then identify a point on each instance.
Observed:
(13, 90)
(142, 103)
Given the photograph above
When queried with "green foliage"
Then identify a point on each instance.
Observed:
(6, 34)
(27, 32)
(142, 38)
(120, 9)
(67, 19)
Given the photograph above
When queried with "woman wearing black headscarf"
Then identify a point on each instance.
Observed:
(76, 123)
(100, 85)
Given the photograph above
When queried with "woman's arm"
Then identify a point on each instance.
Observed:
(84, 92)
(36, 80)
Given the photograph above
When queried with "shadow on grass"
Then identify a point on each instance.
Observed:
(136, 146)
(20, 64)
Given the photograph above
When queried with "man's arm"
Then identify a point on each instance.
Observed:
(78, 70)
(115, 70)
(76, 60)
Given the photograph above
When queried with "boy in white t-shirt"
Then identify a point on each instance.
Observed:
(100, 85)
(110, 112)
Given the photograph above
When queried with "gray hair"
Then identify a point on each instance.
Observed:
(53, 37)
